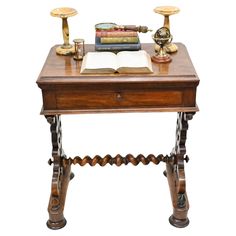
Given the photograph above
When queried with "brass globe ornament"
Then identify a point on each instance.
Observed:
(162, 37)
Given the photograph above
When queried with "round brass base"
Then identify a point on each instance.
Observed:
(65, 51)
(161, 59)
(170, 48)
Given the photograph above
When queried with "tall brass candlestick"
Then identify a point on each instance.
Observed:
(64, 13)
(167, 11)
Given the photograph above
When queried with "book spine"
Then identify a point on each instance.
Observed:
(116, 33)
(117, 47)
(112, 40)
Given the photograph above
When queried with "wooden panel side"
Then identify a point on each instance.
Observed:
(49, 99)
(189, 97)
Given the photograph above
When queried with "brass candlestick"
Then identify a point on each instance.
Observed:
(167, 11)
(162, 37)
(64, 13)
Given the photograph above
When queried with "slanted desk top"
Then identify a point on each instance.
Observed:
(171, 87)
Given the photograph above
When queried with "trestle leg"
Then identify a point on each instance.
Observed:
(61, 176)
(176, 175)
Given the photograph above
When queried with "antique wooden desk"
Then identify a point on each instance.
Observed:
(171, 88)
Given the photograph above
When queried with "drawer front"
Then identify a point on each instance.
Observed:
(75, 100)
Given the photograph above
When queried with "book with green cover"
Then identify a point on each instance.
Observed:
(108, 40)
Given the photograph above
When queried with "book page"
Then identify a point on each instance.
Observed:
(137, 59)
(100, 60)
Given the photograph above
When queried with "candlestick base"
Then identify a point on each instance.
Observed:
(65, 51)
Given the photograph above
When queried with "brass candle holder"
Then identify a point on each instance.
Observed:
(162, 37)
(79, 49)
(167, 11)
(64, 13)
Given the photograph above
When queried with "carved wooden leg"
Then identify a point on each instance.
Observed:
(176, 175)
(61, 176)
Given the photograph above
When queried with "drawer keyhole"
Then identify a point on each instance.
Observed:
(118, 97)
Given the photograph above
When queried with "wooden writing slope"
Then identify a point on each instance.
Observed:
(170, 88)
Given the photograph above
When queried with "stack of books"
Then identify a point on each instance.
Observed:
(117, 40)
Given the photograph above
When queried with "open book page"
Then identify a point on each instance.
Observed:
(95, 61)
(123, 62)
(134, 62)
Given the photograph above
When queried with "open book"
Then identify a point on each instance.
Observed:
(122, 62)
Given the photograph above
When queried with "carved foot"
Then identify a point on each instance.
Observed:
(56, 204)
(179, 223)
(56, 225)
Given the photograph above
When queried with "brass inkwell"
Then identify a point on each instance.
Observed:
(162, 37)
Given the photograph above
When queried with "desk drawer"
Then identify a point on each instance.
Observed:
(115, 99)
(124, 99)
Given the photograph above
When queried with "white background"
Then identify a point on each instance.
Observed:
(126, 200)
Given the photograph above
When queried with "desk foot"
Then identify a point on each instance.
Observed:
(179, 223)
(56, 225)
(179, 197)
(57, 200)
